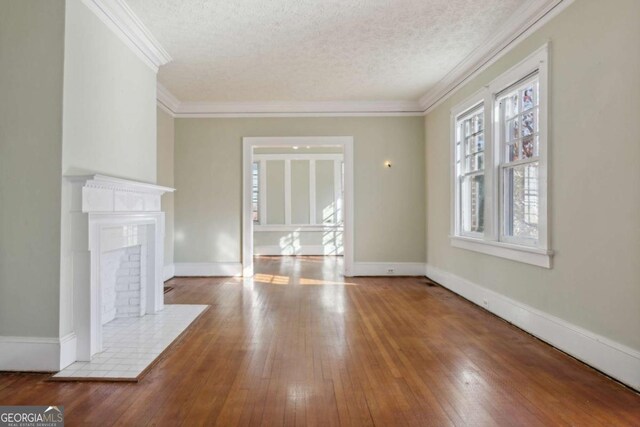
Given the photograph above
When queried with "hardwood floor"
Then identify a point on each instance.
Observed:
(298, 345)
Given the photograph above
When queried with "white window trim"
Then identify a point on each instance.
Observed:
(489, 242)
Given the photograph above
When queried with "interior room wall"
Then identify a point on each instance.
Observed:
(109, 119)
(31, 79)
(166, 133)
(594, 199)
(109, 102)
(389, 202)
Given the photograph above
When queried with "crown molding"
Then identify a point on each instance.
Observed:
(170, 103)
(119, 17)
(532, 15)
(166, 100)
(298, 109)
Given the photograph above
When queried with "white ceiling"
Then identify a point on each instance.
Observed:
(315, 50)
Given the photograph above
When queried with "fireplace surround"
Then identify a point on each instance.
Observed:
(112, 239)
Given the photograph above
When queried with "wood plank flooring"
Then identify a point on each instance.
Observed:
(299, 345)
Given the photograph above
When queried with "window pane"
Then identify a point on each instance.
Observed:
(477, 123)
(512, 152)
(529, 148)
(512, 129)
(467, 127)
(521, 201)
(474, 162)
(472, 204)
(528, 97)
(511, 105)
(529, 123)
(477, 143)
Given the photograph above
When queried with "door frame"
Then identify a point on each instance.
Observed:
(249, 143)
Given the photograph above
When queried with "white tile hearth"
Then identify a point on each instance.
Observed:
(131, 344)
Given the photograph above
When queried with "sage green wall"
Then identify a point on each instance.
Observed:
(275, 192)
(299, 192)
(166, 134)
(389, 203)
(31, 41)
(324, 190)
(109, 117)
(109, 102)
(594, 176)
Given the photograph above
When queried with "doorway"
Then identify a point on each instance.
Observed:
(297, 198)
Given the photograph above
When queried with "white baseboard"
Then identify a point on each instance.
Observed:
(168, 271)
(37, 354)
(612, 358)
(388, 269)
(275, 250)
(221, 269)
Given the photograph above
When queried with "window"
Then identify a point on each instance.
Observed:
(469, 150)
(499, 164)
(255, 192)
(518, 135)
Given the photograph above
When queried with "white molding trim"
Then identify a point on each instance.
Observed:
(388, 269)
(527, 255)
(172, 105)
(610, 357)
(106, 182)
(532, 15)
(215, 269)
(168, 272)
(297, 109)
(37, 354)
(249, 143)
(120, 19)
(102, 212)
(166, 100)
(276, 250)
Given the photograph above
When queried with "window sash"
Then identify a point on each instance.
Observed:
(463, 137)
(507, 201)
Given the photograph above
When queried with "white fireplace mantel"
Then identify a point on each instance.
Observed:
(101, 193)
(100, 213)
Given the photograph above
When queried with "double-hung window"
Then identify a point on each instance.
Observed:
(518, 135)
(470, 160)
(499, 166)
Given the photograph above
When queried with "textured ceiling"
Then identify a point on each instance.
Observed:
(315, 50)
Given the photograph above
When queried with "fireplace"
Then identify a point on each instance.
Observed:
(112, 241)
(121, 290)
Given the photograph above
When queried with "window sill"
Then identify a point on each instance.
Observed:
(524, 254)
